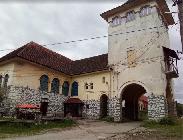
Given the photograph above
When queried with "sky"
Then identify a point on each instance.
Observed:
(55, 21)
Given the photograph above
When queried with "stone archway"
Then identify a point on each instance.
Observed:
(103, 106)
(129, 101)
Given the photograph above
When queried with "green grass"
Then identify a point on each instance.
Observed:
(8, 129)
(168, 130)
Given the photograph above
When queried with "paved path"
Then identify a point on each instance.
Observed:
(87, 130)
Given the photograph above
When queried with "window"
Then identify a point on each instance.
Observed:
(103, 79)
(5, 84)
(145, 11)
(44, 83)
(130, 16)
(1, 80)
(55, 85)
(65, 88)
(91, 85)
(74, 91)
(86, 85)
(131, 58)
(116, 21)
(123, 20)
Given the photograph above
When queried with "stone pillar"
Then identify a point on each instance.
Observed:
(91, 109)
(115, 109)
(157, 107)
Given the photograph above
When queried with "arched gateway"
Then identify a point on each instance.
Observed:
(129, 101)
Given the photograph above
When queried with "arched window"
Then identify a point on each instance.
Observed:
(74, 91)
(1, 80)
(5, 84)
(55, 85)
(65, 88)
(44, 83)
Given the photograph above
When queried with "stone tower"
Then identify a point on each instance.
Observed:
(138, 57)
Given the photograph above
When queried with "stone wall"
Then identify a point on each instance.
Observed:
(25, 95)
(91, 109)
(157, 107)
(114, 108)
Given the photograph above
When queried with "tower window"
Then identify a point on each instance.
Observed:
(131, 58)
(115, 21)
(145, 11)
(130, 16)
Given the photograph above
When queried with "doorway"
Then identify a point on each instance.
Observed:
(103, 106)
(130, 96)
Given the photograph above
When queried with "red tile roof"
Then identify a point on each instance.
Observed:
(88, 65)
(38, 54)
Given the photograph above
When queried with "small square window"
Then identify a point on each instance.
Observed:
(91, 85)
(86, 86)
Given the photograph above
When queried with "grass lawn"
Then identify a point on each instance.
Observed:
(171, 130)
(9, 129)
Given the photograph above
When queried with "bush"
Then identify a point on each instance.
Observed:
(167, 121)
(108, 119)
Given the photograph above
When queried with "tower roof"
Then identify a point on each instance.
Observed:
(162, 5)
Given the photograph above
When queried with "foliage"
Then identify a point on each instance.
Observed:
(143, 115)
(171, 130)
(179, 109)
(108, 119)
(167, 121)
(12, 128)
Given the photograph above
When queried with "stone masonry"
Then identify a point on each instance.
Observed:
(157, 107)
(25, 95)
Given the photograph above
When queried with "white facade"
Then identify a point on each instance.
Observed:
(145, 36)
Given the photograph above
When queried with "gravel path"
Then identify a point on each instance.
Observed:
(88, 130)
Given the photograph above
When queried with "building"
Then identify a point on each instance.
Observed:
(139, 61)
(143, 103)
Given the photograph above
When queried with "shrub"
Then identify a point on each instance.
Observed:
(108, 119)
(167, 121)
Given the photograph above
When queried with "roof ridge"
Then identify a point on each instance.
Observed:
(91, 57)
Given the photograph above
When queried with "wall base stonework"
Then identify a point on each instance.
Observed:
(115, 109)
(91, 109)
(157, 107)
(25, 95)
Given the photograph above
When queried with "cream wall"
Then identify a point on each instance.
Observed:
(99, 87)
(24, 73)
(7, 68)
(150, 73)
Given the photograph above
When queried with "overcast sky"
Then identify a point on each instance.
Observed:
(53, 21)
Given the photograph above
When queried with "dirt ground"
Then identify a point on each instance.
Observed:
(97, 130)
